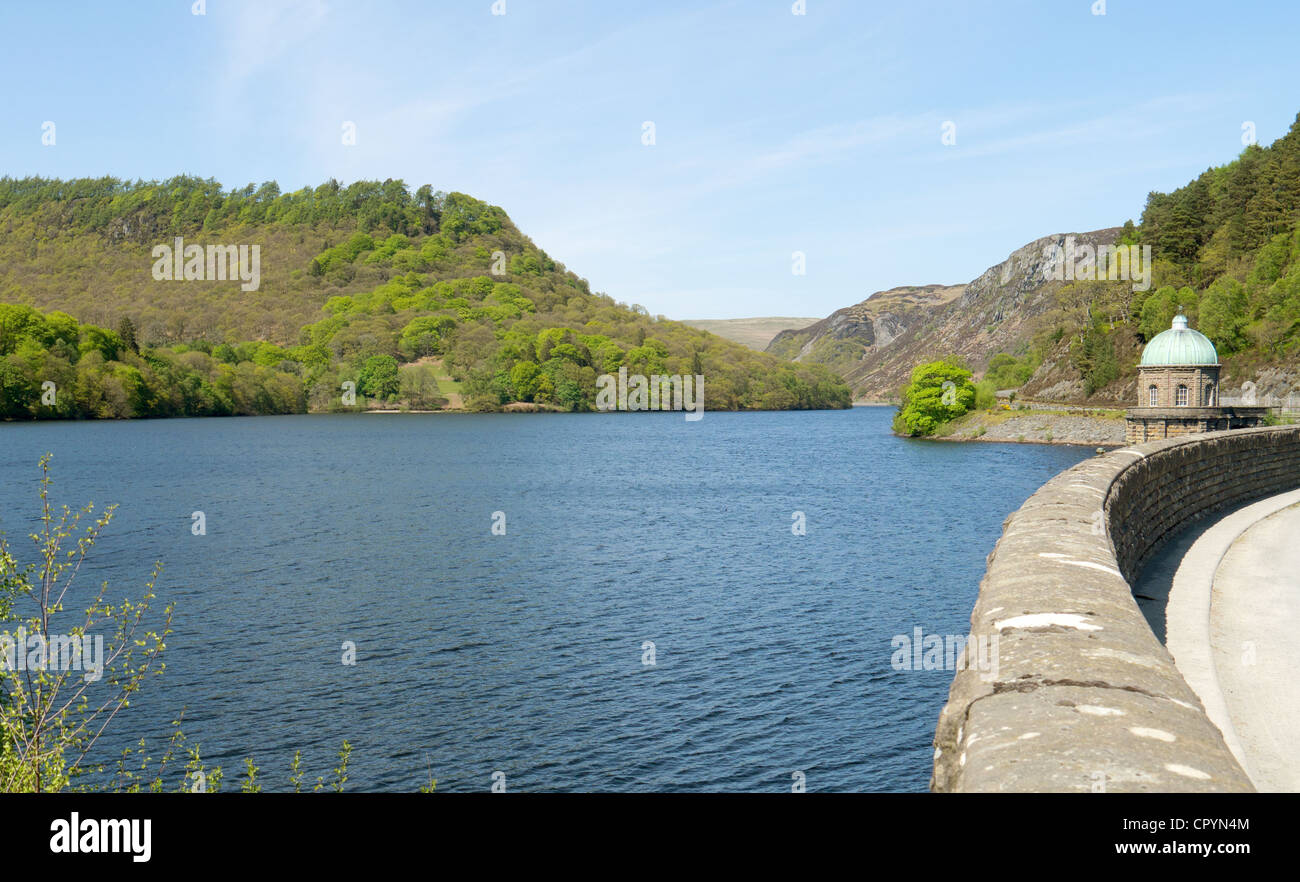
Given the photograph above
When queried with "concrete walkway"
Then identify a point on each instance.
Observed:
(1232, 620)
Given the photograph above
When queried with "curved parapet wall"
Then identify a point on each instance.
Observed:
(1081, 696)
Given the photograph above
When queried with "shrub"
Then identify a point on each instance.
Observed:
(940, 391)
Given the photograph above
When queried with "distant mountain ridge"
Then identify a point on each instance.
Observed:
(756, 333)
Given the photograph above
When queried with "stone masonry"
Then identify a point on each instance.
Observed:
(1084, 697)
(1143, 424)
(1186, 399)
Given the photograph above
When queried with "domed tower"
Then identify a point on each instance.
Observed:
(1178, 389)
(1179, 368)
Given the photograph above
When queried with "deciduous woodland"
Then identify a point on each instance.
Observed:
(416, 299)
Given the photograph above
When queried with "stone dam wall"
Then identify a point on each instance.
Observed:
(1078, 694)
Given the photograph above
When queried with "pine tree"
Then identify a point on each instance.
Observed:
(126, 330)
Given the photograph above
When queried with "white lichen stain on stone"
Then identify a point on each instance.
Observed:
(1084, 563)
(962, 761)
(1046, 620)
(1158, 734)
(1120, 655)
(1028, 735)
(1186, 771)
(1097, 710)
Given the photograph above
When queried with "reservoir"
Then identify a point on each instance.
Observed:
(622, 539)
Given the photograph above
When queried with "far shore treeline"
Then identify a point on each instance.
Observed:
(419, 300)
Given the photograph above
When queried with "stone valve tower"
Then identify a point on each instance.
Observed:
(1178, 389)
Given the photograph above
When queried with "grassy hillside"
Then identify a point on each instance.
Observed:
(755, 333)
(416, 298)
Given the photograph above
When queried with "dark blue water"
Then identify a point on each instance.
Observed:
(523, 653)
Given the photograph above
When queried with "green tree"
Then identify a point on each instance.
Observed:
(523, 379)
(1223, 315)
(424, 335)
(378, 377)
(17, 391)
(940, 391)
(1094, 356)
(51, 717)
(126, 331)
(1159, 309)
(1005, 371)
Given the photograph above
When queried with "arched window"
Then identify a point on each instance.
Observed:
(1180, 397)
(1153, 395)
(1209, 395)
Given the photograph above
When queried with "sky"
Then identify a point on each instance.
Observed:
(900, 143)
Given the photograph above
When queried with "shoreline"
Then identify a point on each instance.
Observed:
(1055, 442)
(1097, 428)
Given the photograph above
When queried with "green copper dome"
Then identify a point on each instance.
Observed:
(1179, 345)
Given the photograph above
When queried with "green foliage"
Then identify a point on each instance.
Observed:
(98, 375)
(378, 377)
(940, 391)
(151, 776)
(424, 335)
(1229, 242)
(524, 379)
(368, 274)
(52, 716)
(1160, 307)
(1223, 315)
(1005, 371)
(1094, 357)
(126, 333)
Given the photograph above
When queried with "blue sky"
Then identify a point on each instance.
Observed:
(774, 133)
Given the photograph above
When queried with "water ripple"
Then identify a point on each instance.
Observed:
(523, 653)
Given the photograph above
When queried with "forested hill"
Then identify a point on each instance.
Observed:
(423, 299)
(1226, 251)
